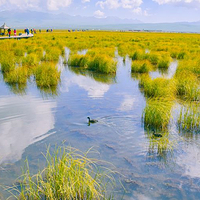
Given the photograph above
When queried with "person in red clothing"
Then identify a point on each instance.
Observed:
(9, 32)
(15, 32)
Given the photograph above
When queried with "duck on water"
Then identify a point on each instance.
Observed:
(92, 120)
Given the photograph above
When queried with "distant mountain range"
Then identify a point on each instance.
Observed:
(33, 19)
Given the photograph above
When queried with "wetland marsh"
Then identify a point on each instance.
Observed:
(137, 85)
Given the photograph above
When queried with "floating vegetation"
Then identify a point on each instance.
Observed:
(69, 174)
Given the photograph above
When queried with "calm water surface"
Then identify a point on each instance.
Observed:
(32, 120)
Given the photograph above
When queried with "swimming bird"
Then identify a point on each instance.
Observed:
(157, 134)
(92, 120)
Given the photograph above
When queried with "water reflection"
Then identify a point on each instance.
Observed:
(169, 73)
(94, 83)
(23, 121)
(128, 103)
(94, 89)
(102, 78)
(190, 160)
(47, 92)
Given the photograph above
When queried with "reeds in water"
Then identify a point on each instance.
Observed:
(17, 76)
(159, 87)
(188, 85)
(157, 113)
(47, 75)
(143, 66)
(189, 118)
(94, 62)
(69, 174)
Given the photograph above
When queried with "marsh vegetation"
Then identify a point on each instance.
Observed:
(41, 62)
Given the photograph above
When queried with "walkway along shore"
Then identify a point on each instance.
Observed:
(17, 37)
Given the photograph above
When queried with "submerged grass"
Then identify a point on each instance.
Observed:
(69, 174)
(161, 144)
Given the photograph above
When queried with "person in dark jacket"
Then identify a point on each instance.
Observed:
(9, 32)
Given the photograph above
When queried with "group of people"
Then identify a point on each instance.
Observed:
(27, 31)
(9, 32)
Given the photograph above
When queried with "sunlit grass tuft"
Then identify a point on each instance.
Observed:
(189, 118)
(143, 66)
(47, 75)
(159, 87)
(69, 174)
(157, 113)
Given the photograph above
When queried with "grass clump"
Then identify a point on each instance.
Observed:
(138, 55)
(163, 64)
(8, 63)
(30, 60)
(188, 86)
(153, 58)
(157, 113)
(52, 54)
(189, 118)
(141, 66)
(47, 75)
(77, 60)
(17, 76)
(68, 175)
(158, 87)
(103, 64)
(94, 62)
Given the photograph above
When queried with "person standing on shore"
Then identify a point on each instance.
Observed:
(15, 32)
(9, 32)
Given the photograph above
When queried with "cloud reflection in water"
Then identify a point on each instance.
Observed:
(23, 121)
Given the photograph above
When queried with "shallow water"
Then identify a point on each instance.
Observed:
(32, 120)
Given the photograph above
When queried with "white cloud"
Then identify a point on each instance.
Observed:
(139, 11)
(85, 1)
(20, 3)
(55, 4)
(99, 14)
(113, 4)
(179, 2)
(36, 4)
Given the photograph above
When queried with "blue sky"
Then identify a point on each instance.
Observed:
(144, 10)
